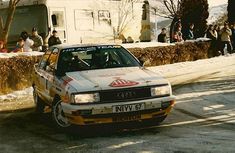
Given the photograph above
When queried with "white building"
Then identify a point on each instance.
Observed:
(82, 21)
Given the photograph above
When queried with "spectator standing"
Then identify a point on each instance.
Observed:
(28, 43)
(162, 36)
(233, 35)
(212, 34)
(177, 36)
(218, 42)
(19, 46)
(226, 33)
(189, 35)
(54, 39)
(37, 39)
(2, 47)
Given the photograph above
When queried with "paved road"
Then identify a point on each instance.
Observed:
(203, 120)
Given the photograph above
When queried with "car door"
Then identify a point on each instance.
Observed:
(40, 80)
(45, 74)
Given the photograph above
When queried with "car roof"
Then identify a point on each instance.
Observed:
(67, 46)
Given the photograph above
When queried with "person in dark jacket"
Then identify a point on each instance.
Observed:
(162, 36)
(218, 42)
(233, 35)
(54, 39)
(211, 33)
(189, 35)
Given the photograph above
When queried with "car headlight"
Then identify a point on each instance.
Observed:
(86, 98)
(160, 91)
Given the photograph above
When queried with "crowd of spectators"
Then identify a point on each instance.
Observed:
(222, 39)
(28, 43)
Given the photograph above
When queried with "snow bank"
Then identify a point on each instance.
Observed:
(185, 72)
(146, 44)
(17, 94)
(10, 55)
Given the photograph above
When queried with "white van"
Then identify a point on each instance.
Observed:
(82, 21)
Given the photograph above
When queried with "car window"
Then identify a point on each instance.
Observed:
(99, 57)
(43, 62)
(48, 60)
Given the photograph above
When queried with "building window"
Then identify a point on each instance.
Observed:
(57, 18)
(104, 16)
(84, 20)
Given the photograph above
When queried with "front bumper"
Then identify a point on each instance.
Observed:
(103, 113)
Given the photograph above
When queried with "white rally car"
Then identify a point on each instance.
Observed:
(99, 84)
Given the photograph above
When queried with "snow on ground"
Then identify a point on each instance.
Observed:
(216, 2)
(10, 55)
(216, 12)
(17, 94)
(180, 73)
(158, 44)
(146, 44)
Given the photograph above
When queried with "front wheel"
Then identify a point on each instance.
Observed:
(58, 115)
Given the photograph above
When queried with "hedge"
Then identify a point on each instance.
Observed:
(188, 51)
(16, 72)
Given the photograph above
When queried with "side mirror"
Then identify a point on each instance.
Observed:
(142, 63)
(36, 65)
(50, 68)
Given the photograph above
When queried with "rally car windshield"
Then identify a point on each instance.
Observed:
(99, 57)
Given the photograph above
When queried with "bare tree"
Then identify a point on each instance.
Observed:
(4, 28)
(172, 10)
(125, 9)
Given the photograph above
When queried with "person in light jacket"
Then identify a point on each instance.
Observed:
(37, 39)
(28, 43)
(226, 33)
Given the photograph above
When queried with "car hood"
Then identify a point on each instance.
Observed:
(115, 78)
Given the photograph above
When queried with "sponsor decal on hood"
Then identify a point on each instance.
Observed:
(66, 80)
(122, 83)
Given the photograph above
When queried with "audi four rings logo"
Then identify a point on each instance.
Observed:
(126, 95)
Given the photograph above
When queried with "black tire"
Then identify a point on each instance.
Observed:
(58, 116)
(39, 103)
(161, 119)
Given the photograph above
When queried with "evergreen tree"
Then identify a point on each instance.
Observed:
(231, 14)
(196, 12)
